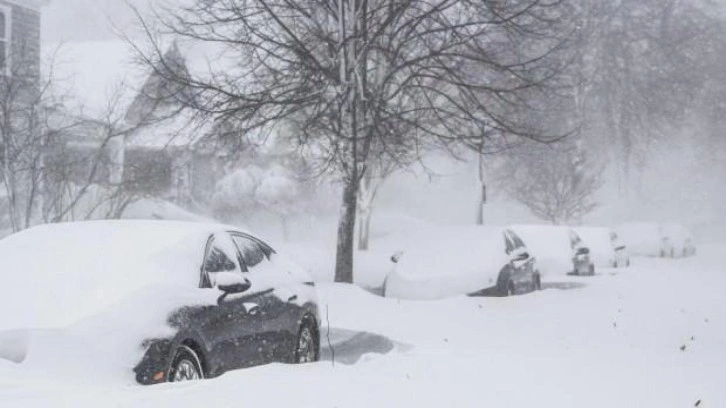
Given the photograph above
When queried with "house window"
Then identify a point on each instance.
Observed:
(5, 22)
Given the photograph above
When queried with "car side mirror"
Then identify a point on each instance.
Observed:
(620, 248)
(583, 251)
(522, 256)
(396, 257)
(231, 283)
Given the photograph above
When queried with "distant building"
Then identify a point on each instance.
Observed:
(163, 151)
(20, 37)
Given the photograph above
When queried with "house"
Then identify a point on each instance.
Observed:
(20, 37)
(158, 148)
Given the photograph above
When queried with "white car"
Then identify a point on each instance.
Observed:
(656, 240)
(559, 250)
(681, 239)
(467, 260)
(606, 251)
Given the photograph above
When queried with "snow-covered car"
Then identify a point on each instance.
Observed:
(162, 300)
(470, 260)
(646, 239)
(558, 249)
(605, 249)
(622, 255)
(681, 240)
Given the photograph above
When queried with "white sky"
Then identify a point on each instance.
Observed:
(82, 20)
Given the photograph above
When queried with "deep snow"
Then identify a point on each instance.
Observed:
(653, 335)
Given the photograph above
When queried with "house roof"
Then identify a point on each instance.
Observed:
(98, 76)
(31, 4)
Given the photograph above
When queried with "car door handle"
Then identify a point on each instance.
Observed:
(292, 298)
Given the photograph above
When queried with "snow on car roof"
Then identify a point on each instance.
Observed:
(55, 274)
(454, 250)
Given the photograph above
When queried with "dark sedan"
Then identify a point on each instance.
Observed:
(172, 301)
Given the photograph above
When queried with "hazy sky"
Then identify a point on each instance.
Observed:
(80, 20)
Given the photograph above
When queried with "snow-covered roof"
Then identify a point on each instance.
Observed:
(56, 274)
(99, 76)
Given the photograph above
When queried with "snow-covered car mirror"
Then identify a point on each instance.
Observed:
(231, 283)
(520, 256)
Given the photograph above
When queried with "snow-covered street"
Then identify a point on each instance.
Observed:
(653, 335)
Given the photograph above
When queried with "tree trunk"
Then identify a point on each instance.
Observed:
(285, 228)
(346, 232)
(364, 230)
(482, 193)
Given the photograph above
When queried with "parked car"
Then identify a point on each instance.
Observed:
(622, 255)
(681, 240)
(605, 249)
(487, 261)
(559, 250)
(176, 301)
(656, 240)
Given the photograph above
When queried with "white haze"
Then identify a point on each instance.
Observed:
(680, 183)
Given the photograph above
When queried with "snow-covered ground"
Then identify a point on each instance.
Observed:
(653, 335)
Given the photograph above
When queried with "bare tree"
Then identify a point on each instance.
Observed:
(556, 182)
(638, 66)
(343, 75)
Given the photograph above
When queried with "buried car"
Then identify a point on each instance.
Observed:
(605, 249)
(681, 240)
(463, 260)
(559, 250)
(166, 301)
(646, 239)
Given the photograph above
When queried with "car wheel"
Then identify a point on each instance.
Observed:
(306, 348)
(185, 366)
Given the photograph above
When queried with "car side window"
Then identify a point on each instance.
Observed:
(218, 261)
(508, 243)
(219, 257)
(518, 243)
(252, 252)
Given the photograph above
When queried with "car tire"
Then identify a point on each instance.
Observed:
(307, 349)
(185, 366)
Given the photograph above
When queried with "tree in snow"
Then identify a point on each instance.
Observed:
(251, 189)
(344, 74)
(556, 182)
(638, 64)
